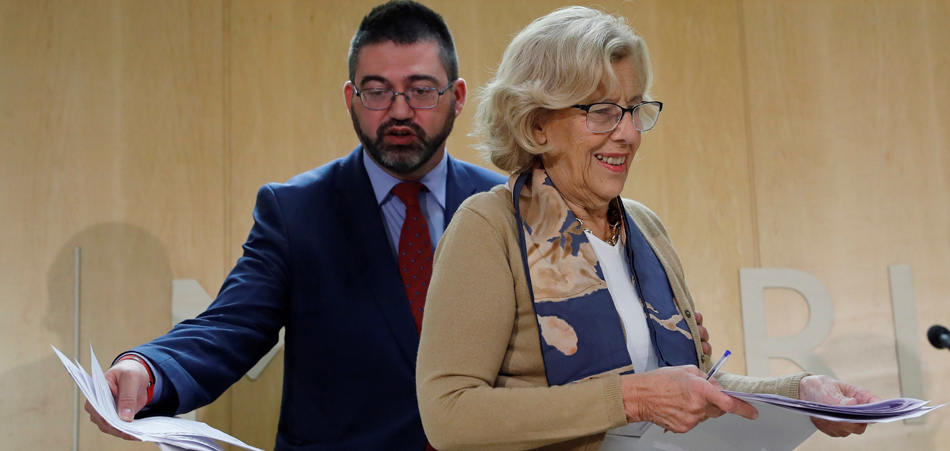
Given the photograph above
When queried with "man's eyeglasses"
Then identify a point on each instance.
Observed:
(418, 97)
(604, 117)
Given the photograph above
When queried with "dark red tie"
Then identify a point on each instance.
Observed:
(415, 254)
(415, 250)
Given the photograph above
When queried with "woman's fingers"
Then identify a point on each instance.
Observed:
(826, 390)
(732, 405)
(678, 398)
(703, 334)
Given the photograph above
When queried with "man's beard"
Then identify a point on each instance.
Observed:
(403, 158)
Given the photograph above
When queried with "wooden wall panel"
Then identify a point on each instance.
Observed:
(848, 106)
(110, 139)
(799, 134)
(287, 67)
(693, 168)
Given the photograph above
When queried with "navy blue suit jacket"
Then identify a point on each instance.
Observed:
(318, 262)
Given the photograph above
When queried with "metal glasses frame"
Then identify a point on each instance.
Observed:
(408, 98)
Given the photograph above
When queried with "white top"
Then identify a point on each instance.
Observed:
(619, 280)
(620, 285)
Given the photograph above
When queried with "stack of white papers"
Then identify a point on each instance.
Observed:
(776, 429)
(877, 412)
(783, 424)
(170, 433)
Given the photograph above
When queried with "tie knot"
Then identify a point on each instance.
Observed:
(408, 192)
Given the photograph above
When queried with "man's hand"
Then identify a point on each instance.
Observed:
(128, 381)
(826, 390)
(677, 398)
(703, 334)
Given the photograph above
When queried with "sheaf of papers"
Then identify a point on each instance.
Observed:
(783, 424)
(171, 434)
(877, 412)
(774, 430)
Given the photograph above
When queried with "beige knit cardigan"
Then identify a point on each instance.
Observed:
(480, 375)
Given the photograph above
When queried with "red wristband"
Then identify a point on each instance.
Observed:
(151, 377)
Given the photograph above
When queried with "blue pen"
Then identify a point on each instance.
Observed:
(715, 368)
(712, 371)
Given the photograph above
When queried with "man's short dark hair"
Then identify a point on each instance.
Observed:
(403, 23)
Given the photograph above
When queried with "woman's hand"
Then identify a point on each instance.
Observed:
(703, 334)
(826, 390)
(677, 398)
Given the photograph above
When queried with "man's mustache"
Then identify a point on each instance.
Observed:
(385, 126)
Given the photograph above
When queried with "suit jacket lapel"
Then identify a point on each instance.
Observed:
(458, 187)
(379, 270)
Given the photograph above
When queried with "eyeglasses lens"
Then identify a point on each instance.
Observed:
(604, 117)
(418, 98)
(645, 116)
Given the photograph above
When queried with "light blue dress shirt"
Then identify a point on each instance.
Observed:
(394, 211)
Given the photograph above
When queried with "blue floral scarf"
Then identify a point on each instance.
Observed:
(582, 335)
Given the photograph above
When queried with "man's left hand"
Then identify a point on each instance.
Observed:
(826, 390)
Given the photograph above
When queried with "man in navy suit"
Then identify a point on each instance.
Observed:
(341, 256)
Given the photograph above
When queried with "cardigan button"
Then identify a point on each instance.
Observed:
(688, 314)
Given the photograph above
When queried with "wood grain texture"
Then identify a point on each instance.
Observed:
(287, 69)
(111, 140)
(693, 168)
(801, 134)
(848, 106)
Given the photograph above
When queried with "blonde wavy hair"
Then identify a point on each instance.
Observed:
(557, 61)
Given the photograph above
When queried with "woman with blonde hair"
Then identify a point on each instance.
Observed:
(558, 313)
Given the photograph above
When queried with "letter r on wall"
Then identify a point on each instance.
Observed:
(905, 334)
(759, 347)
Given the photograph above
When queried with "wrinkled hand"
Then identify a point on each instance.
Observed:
(826, 390)
(703, 334)
(677, 398)
(128, 381)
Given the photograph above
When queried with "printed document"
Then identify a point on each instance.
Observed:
(170, 433)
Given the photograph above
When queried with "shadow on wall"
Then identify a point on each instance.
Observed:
(125, 300)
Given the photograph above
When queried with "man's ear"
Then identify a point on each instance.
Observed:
(459, 90)
(348, 90)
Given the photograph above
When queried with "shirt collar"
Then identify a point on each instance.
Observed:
(383, 183)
